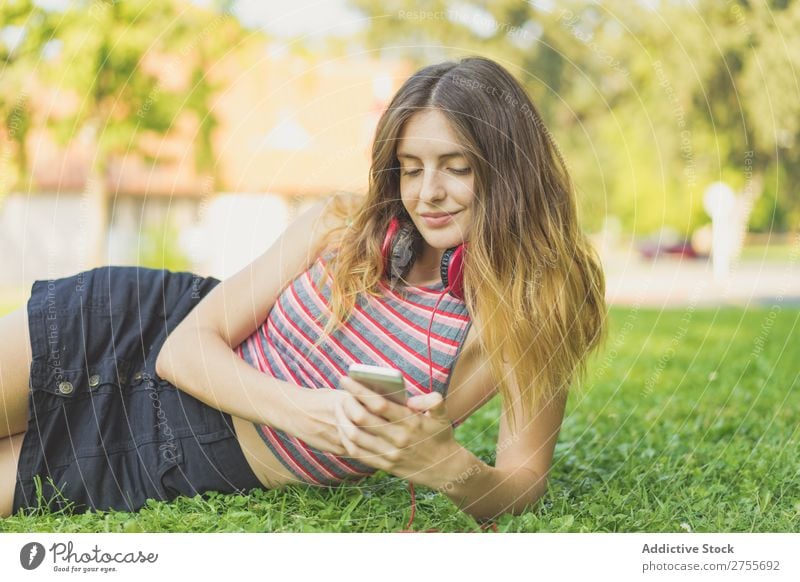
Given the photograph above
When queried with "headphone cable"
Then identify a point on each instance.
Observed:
(408, 529)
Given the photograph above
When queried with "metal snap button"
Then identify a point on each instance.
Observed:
(137, 376)
(94, 380)
(65, 387)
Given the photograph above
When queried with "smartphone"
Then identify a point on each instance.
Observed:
(385, 381)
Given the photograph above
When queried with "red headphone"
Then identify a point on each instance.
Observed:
(399, 251)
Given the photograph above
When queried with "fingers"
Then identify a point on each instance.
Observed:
(425, 402)
(359, 443)
(374, 402)
(378, 426)
(361, 416)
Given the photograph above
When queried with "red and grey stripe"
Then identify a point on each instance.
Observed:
(390, 330)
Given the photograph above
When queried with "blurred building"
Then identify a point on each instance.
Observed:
(290, 131)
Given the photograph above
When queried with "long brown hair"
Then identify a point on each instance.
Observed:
(533, 283)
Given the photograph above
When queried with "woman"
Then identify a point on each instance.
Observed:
(501, 293)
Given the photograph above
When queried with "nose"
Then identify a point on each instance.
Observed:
(432, 189)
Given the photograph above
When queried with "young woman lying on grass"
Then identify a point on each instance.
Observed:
(463, 267)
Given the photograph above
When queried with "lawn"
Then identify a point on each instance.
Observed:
(776, 252)
(688, 422)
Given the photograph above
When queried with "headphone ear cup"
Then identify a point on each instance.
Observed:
(386, 248)
(452, 270)
(399, 249)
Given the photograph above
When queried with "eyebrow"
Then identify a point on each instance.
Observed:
(443, 156)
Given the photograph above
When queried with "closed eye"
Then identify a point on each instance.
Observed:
(459, 171)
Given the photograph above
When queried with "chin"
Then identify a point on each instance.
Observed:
(442, 241)
(441, 238)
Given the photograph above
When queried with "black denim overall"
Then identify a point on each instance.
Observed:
(103, 428)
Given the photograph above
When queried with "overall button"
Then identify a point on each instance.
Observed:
(65, 387)
(94, 380)
(137, 376)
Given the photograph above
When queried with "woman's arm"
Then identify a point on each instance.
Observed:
(206, 367)
(522, 465)
(487, 492)
(238, 305)
(199, 358)
(422, 448)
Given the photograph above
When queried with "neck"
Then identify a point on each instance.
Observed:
(425, 270)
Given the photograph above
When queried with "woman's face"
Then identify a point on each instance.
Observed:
(435, 178)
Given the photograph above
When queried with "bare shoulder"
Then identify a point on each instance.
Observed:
(236, 307)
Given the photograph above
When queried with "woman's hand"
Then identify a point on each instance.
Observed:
(412, 442)
(316, 421)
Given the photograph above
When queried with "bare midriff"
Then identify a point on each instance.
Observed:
(463, 402)
(266, 466)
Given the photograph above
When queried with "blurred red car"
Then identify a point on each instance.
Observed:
(683, 249)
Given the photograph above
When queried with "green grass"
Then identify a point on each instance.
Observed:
(775, 252)
(689, 422)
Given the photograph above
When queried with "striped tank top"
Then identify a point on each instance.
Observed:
(390, 330)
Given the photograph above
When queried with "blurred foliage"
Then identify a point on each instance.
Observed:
(138, 72)
(159, 247)
(649, 105)
(107, 57)
(96, 51)
(25, 34)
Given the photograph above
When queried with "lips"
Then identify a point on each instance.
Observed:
(438, 214)
(438, 219)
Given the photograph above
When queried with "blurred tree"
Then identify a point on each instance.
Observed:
(650, 103)
(769, 78)
(107, 56)
(159, 247)
(26, 36)
(216, 35)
